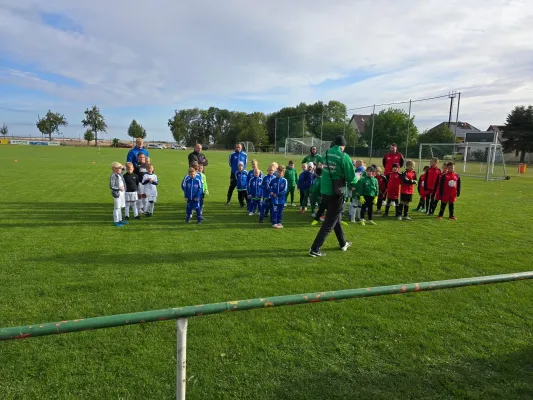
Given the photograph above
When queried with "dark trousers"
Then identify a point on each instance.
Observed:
(232, 185)
(380, 201)
(243, 197)
(387, 207)
(421, 204)
(334, 205)
(451, 209)
(291, 193)
(368, 205)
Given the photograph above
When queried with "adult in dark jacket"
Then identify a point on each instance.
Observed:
(198, 156)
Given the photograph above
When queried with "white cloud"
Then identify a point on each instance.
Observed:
(164, 53)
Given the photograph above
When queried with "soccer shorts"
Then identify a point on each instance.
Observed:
(140, 189)
(406, 198)
(131, 196)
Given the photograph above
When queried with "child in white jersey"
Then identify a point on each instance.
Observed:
(150, 183)
(117, 186)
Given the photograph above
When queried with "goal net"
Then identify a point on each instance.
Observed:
(303, 145)
(248, 147)
(477, 160)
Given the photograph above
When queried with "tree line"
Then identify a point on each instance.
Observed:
(320, 120)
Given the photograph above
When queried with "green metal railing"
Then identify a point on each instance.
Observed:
(182, 313)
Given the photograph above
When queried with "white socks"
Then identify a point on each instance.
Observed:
(117, 214)
(133, 205)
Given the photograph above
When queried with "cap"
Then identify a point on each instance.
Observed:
(310, 164)
(339, 141)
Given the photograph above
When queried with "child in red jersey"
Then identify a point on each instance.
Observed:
(431, 180)
(394, 181)
(407, 190)
(450, 189)
(382, 181)
(421, 192)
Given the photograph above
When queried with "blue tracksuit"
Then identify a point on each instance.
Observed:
(133, 154)
(255, 189)
(265, 203)
(279, 187)
(305, 180)
(234, 160)
(242, 179)
(193, 189)
(251, 174)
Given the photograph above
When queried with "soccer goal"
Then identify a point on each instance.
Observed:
(248, 147)
(303, 145)
(477, 160)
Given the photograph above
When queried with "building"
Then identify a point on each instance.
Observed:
(462, 129)
(513, 156)
(358, 122)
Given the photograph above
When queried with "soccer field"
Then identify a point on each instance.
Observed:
(61, 258)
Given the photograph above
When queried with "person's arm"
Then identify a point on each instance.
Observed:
(206, 190)
(114, 182)
(131, 157)
(402, 160)
(245, 160)
(458, 185)
(441, 186)
(425, 181)
(282, 187)
(155, 181)
(183, 185)
(229, 161)
(404, 178)
(348, 169)
(384, 161)
(190, 158)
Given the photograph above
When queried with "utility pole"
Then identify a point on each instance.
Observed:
(451, 96)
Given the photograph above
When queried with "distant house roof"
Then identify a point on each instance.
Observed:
(496, 128)
(462, 128)
(358, 120)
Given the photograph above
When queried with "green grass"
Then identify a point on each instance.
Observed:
(61, 258)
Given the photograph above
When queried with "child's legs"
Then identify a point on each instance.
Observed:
(442, 208)
(189, 209)
(405, 208)
(202, 201)
(428, 202)
(291, 193)
(280, 212)
(321, 209)
(451, 209)
(301, 198)
(198, 209)
(364, 207)
(369, 202)
(306, 194)
(274, 214)
(380, 201)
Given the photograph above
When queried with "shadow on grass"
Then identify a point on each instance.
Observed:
(132, 258)
(507, 377)
(166, 216)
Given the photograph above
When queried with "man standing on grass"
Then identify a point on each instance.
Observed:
(238, 156)
(138, 149)
(392, 157)
(198, 156)
(313, 156)
(338, 171)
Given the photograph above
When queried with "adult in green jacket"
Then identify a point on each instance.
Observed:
(336, 165)
(313, 156)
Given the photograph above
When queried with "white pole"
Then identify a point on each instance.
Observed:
(465, 158)
(372, 132)
(408, 126)
(181, 376)
(489, 156)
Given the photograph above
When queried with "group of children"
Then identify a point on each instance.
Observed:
(136, 189)
(373, 188)
(266, 195)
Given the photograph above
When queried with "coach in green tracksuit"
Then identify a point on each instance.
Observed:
(313, 156)
(338, 171)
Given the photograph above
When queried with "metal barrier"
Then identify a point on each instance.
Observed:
(182, 313)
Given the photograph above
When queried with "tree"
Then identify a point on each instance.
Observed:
(518, 131)
(115, 142)
(3, 130)
(136, 130)
(89, 136)
(95, 121)
(51, 123)
(390, 126)
(439, 134)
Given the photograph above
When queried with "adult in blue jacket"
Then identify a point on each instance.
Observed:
(138, 149)
(238, 156)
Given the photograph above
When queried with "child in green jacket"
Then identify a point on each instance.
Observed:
(368, 190)
(292, 178)
(314, 193)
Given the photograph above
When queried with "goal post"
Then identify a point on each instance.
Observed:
(302, 146)
(474, 159)
(248, 147)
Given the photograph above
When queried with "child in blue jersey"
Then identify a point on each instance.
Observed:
(305, 181)
(278, 195)
(255, 191)
(265, 202)
(255, 165)
(241, 177)
(193, 190)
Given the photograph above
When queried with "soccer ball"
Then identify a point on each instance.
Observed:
(452, 183)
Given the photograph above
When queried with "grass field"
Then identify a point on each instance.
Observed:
(61, 258)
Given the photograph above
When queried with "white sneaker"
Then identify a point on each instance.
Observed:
(250, 214)
(407, 218)
(399, 218)
(313, 215)
(346, 246)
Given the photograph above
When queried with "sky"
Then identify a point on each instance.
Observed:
(144, 59)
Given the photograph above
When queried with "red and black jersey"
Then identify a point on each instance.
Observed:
(408, 182)
(421, 191)
(431, 179)
(449, 187)
(392, 158)
(382, 181)
(394, 181)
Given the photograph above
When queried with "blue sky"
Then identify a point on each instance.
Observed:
(144, 62)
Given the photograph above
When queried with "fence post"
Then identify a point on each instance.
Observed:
(181, 373)
(372, 133)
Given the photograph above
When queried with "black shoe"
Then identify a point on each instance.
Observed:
(137, 217)
(313, 253)
(146, 214)
(126, 218)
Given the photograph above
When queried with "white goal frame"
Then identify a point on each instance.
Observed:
(303, 145)
(249, 146)
(495, 155)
